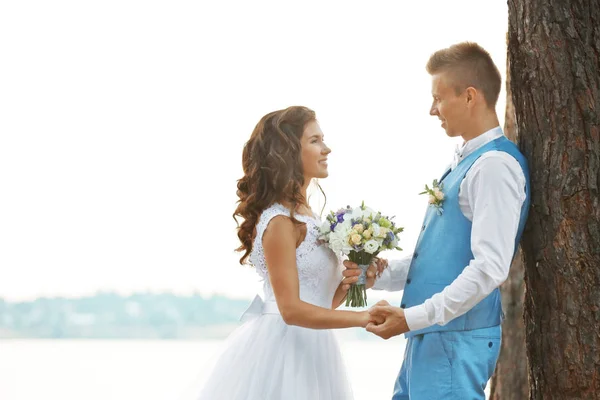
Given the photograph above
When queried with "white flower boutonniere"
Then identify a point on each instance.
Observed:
(436, 195)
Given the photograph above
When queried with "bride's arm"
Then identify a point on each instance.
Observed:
(339, 296)
(279, 245)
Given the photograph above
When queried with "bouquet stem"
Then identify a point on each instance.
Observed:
(357, 294)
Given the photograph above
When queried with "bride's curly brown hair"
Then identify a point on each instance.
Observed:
(273, 170)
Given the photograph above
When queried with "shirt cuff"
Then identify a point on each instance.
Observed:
(417, 317)
(384, 281)
(393, 278)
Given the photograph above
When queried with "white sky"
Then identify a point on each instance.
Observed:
(122, 125)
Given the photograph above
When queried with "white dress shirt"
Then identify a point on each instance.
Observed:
(490, 196)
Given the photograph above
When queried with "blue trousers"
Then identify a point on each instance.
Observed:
(448, 365)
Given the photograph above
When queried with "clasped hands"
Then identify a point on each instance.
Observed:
(385, 320)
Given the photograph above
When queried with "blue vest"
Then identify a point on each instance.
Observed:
(444, 248)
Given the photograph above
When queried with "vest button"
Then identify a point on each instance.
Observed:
(402, 305)
(423, 228)
(415, 255)
(408, 281)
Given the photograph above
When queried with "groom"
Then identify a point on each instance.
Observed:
(451, 310)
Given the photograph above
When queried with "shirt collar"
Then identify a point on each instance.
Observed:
(475, 143)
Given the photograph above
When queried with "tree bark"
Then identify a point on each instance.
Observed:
(509, 381)
(554, 48)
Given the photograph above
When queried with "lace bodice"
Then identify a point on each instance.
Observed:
(319, 271)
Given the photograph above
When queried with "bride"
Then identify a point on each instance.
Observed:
(285, 349)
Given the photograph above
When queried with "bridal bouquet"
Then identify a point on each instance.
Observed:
(361, 234)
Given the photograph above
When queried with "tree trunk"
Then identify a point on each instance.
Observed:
(510, 378)
(554, 50)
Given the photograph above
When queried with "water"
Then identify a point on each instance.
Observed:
(155, 370)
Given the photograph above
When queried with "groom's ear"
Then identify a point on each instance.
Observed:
(471, 95)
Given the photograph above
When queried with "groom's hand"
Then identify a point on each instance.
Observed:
(352, 272)
(394, 322)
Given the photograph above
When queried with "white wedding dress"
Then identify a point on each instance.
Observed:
(266, 359)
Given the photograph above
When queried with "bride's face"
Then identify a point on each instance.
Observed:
(314, 152)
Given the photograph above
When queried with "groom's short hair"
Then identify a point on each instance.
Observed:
(469, 65)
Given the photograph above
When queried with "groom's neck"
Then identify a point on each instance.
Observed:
(480, 124)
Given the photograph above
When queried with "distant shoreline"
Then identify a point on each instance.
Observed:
(141, 316)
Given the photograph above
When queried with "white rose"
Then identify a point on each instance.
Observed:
(355, 214)
(338, 239)
(360, 213)
(367, 212)
(371, 246)
(335, 243)
(344, 228)
(382, 232)
(438, 194)
(375, 228)
(432, 199)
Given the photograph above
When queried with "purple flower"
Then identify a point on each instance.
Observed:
(388, 238)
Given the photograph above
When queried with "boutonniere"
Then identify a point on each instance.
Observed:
(436, 195)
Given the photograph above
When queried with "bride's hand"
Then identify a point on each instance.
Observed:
(370, 319)
(352, 272)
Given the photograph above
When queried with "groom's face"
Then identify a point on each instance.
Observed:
(449, 107)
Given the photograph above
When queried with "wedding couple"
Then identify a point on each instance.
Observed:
(450, 312)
